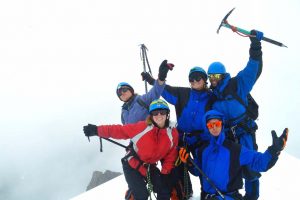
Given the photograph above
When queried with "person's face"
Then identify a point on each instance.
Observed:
(159, 117)
(124, 93)
(214, 79)
(214, 126)
(197, 82)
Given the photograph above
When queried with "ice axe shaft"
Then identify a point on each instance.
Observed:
(112, 141)
(143, 55)
(206, 177)
(225, 23)
(249, 33)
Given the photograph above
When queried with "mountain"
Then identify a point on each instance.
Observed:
(280, 182)
(99, 178)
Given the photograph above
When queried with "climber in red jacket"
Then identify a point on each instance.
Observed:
(153, 140)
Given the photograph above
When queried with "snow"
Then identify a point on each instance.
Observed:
(280, 182)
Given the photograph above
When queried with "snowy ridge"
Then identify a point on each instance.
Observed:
(278, 183)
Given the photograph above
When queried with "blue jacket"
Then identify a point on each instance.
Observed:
(190, 106)
(222, 160)
(233, 110)
(133, 111)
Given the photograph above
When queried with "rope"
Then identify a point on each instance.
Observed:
(185, 173)
(149, 183)
(186, 181)
(234, 29)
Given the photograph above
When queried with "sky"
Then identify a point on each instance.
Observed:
(60, 63)
(270, 188)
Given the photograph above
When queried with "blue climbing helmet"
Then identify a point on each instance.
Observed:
(216, 68)
(198, 70)
(213, 114)
(124, 84)
(158, 104)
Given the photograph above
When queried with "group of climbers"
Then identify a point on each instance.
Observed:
(213, 124)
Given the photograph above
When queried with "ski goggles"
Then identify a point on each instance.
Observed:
(215, 76)
(217, 124)
(122, 90)
(161, 112)
(192, 79)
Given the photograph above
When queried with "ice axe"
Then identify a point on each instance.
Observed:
(144, 57)
(245, 33)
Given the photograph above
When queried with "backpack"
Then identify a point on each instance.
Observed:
(251, 108)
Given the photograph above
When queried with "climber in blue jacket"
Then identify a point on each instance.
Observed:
(232, 99)
(221, 159)
(190, 103)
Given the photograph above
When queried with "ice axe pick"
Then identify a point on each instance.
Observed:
(241, 31)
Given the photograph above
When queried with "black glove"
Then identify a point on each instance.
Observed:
(163, 70)
(278, 142)
(255, 47)
(146, 76)
(90, 130)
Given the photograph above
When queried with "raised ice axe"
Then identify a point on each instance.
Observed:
(238, 30)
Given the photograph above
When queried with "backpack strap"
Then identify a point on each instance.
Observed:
(210, 102)
(231, 89)
(142, 103)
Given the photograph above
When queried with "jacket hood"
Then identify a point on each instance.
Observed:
(213, 114)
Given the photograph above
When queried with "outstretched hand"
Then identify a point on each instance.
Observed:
(183, 155)
(163, 70)
(147, 77)
(279, 142)
(90, 130)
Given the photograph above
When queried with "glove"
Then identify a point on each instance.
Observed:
(146, 76)
(278, 142)
(258, 36)
(255, 47)
(183, 155)
(90, 130)
(163, 70)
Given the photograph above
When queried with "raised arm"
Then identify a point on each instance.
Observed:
(264, 161)
(247, 77)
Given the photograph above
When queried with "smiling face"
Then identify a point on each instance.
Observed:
(159, 117)
(214, 79)
(197, 82)
(124, 94)
(198, 85)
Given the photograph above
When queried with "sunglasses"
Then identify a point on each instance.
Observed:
(161, 112)
(215, 76)
(195, 78)
(210, 125)
(122, 90)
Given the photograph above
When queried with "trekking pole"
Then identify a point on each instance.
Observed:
(143, 54)
(244, 32)
(206, 177)
(112, 141)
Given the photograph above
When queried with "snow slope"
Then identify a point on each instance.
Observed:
(280, 182)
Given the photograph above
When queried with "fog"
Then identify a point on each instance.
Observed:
(60, 63)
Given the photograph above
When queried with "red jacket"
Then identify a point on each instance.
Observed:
(151, 143)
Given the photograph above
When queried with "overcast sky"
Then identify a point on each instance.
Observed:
(60, 63)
